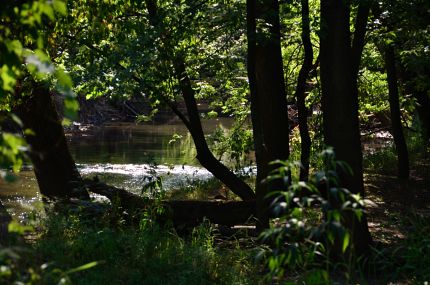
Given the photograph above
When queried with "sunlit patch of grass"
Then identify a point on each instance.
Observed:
(204, 190)
(196, 190)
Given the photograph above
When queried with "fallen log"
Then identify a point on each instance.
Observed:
(180, 212)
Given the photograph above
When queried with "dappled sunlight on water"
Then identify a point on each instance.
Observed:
(125, 155)
(134, 176)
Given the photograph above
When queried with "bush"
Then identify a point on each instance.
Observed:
(301, 245)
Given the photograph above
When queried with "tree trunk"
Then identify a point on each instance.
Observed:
(5, 219)
(422, 107)
(268, 99)
(422, 101)
(193, 123)
(340, 106)
(188, 212)
(396, 123)
(55, 169)
(358, 41)
(204, 155)
(300, 92)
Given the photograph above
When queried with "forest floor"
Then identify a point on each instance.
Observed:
(391, 199)
(398, 218)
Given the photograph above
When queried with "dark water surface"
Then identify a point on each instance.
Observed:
(122, 154)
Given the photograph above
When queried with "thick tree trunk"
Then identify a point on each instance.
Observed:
(340, 106)
(300, 92)
(268, 99)
(54, 167)
(396, 123)
(193, 123)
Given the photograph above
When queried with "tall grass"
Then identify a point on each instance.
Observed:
(149, 254)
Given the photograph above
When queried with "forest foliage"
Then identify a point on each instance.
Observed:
(342, 71)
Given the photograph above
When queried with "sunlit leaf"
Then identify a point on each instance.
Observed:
(60, 6)
(83, 267)
(346, 240)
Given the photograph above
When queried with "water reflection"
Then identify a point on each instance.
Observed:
(121, 143)
(121, 154)
(22, 196)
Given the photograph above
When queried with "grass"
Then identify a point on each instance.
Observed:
(148, 255)
(408, 260)
(197, 190)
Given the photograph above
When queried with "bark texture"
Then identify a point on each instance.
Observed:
(340, 105)
(396, 122)
(268, 98)
(53, 164)
(301, 92)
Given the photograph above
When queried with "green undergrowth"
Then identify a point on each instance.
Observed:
(208, 189)
(197, 190)
(113, 253)
(384, 160)
(409, 259)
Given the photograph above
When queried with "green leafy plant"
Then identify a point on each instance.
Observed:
(310, 224)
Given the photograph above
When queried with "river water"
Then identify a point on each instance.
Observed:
(125, 155)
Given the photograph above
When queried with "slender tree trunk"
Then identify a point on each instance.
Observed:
(300, 92)
(268, 99)
(358, 41)
(55, 169)
(396, 123)
(422, 101)
(204, 155)
(5, 219)
(422, 107)
(340, 106)
(193, 123)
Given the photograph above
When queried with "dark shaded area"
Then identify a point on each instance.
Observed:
(54, 167)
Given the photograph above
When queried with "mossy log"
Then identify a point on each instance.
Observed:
(181, 212)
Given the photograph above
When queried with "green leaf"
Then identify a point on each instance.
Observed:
(83, 267)
(64, 79)
(60, 6)
(346, 239)
(15, 227)
(46, 9)
(14, 46)
(8, 78)
(212, 114)
(71, 107)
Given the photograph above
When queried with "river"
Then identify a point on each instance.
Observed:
(125, 155)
